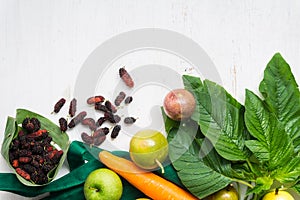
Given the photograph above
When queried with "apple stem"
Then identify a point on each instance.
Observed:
(160, 165)
(276, 191)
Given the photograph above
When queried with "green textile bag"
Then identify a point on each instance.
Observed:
(82, 160)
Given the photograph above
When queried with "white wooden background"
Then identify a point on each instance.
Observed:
(43, 43)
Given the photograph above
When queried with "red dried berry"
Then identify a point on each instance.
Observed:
(63, 124)
(86, 138)
(15, 163)
(38, 135)
(77, 119)
(25, 159)
(49, 148)
(73, 107)
(51, 154)
(99, 132)
(59, 105)
(90, 122)
(23, 173)
(95, 99)
(121, 96)
(124, 75)
(99, 140)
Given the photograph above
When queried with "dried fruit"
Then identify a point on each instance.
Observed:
(124, 75)
(99, 140)
(39, 177)
(100, 107)
(95, 99)
(129, 120)
(15, 163)
(59, 105)
(110, 107)
(121, 96)
(63, 124)
(128, 100)
(23, 173)
(31, 124)
(73, 107)
(38, 135)
(100, 132)
(100, 121)
(86, 138)
(25, 159)
(90, 122)
(31, 153)
(77, 119)
(105, 130)
(112, 118)
(115, 131)
(29, 168)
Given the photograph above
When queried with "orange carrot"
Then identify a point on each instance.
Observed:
(147, 182)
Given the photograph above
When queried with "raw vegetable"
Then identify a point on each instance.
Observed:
(149, 183)
(256, 144)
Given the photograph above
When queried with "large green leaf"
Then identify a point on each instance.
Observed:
(282, 95)
(288, 173)
(296, 187)
(221, 118)
(272, 145)
(199, 167)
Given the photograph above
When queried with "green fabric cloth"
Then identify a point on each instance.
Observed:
(82, 160)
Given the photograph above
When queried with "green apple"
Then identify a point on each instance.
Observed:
(148, 149)
(103, 184)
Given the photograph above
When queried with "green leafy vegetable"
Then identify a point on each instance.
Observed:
(220, 118)
(257, 145)
(282, 95)
(185, 156)
(272, 145)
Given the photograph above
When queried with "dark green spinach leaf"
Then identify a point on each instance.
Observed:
(282, 95)
(272, 146)
(202, 176)
(221, 118)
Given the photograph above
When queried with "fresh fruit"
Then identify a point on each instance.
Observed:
(228, 193)
(148, 148)
(179, 104)
(278, 195)
(103, 184)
